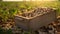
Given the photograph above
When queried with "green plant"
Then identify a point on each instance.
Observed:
(2, 31)
(12, 12)
(4, 15)
(7, 14)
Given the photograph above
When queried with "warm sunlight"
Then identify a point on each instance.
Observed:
(29, 16)
(30, 0)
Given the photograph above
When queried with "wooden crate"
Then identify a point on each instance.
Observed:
(35, 22)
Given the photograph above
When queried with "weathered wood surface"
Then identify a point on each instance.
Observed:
(36, 22)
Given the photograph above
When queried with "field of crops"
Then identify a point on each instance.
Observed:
(28, 5)
(9, 9)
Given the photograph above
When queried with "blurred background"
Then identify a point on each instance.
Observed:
(28, 4)
(9, 8)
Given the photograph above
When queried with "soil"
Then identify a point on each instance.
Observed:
(11, 23)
